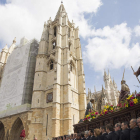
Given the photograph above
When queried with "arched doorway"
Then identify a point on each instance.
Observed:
(16, 129)
(2, 131)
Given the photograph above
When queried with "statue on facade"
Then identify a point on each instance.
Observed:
(89, 107)
(125, 91)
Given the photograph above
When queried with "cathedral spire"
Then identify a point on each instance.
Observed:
(5, 48)
(105, 73)
(102, 88)
(60, 10)
(12, 46)
(95, 89)
(14, 41)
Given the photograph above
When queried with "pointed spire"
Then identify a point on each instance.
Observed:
(61, 9)
(12, 46)
(102, 88)
(105, 73)
(95, 89)
(14, 41)
(5, 48)
(88, 90)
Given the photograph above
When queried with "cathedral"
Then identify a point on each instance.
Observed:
(108, 95)
(42, 83)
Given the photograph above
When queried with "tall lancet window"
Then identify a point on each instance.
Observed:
(69, 46)
(69, 32)
(51, 65)
(54, 44)
(46, 124)
(70, 66)
(55, 31)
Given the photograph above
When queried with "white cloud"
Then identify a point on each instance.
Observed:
(110, 48)
(26, 18)
(137, 30)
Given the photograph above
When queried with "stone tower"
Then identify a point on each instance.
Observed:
(59, 96)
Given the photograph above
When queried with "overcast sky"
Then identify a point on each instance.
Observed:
(109, 33)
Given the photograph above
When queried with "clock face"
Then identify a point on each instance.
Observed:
(50, 97)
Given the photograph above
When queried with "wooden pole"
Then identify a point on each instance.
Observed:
(133, 72)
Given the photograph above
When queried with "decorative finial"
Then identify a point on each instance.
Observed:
(61, 1)
(14, 41)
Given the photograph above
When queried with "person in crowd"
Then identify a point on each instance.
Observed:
(111, 134)
(97, 134)
(64, 137)
(82, 136)
(75, 136)
(78, 136)
(68, 137)
(103, 133)
(92, 135)
(135, 132)
(86, 135)
(117, 129)
(61, 138)
(125, 135)
(89, 134)
(71, 137)
(138, 122)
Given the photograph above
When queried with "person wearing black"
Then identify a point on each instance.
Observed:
(75, 136)
(92, 135)
(135, 132)
(118, 130)
(103, 132)
(111, 134)
(89, 134)
(138, 122)
(82, 136)
(86, 135)
(125, 135)
(78, 136)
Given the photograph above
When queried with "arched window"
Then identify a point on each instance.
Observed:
(69, 32)
(54, 45)
(51, 65)
(69, 46)
(55, 31)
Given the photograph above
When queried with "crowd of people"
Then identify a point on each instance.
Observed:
(121, 131)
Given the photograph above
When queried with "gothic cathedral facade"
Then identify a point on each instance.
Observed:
(58, 98)
(109, 94)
